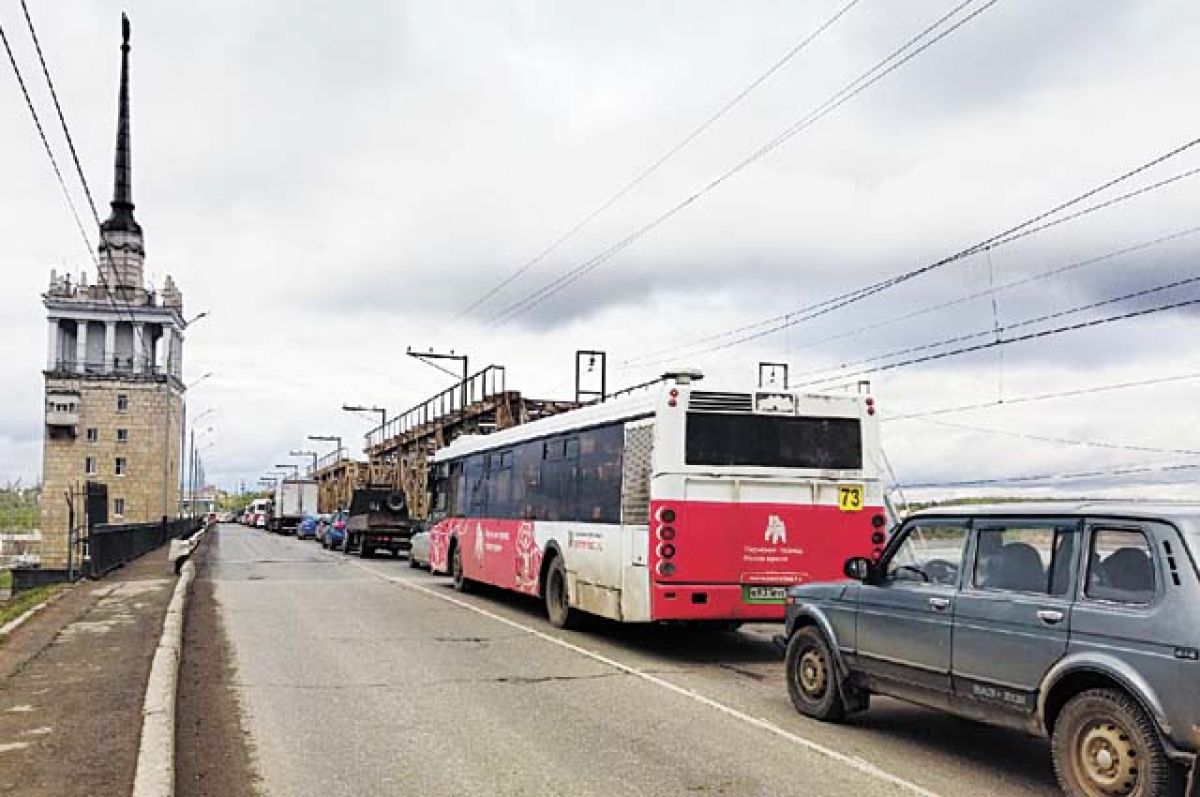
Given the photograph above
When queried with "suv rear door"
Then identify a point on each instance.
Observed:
(1013, 617)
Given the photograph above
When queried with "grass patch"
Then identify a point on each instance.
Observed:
(22, 602)
(5, 579)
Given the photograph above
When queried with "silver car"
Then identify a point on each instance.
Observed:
(418, 552)
(1079, 622)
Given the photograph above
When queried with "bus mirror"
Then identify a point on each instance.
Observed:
(857, 568)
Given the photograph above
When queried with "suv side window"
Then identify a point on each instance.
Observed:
(931, 552)
(1120, 567)
(1033, 557)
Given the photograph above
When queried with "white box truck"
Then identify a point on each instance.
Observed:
(294, 498)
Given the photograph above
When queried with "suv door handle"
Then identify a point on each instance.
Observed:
(1050, 616)
(939, 604)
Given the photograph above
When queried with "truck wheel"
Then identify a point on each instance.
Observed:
(461, 582)
(1104, 744)
(364, 551)
(812, 676)
(558, 602)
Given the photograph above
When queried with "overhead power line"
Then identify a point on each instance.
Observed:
(37, 122)
(1017, 283)
(1049, 477)
(100, 275)
(1073, 393)
(658, 162)
(1031, 226)
(1061, 440)
(1044, 333)
(992, 330)
(902, 55)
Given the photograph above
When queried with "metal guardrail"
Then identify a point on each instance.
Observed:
(480, 386)
(111, 545)
(332, 458)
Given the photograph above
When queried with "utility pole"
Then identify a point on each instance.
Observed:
(591, 356)
(303, 453)
(328, 438)
(357, 408)
(429, 357)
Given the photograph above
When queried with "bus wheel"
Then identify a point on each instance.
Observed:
(812, 676)
(461, 582)
(558, 607)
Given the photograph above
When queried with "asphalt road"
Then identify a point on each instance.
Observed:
(365, 677)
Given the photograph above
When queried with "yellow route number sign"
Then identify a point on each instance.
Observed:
(850, 497)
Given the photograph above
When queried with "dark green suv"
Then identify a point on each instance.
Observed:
(1080, 622)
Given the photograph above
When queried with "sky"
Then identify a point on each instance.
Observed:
(335, 185)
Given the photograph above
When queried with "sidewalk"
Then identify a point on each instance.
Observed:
(72, 681)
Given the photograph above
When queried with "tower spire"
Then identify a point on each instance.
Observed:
(121, 219)
(121, 245)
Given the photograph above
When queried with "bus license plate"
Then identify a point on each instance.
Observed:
(850, 497)
(764, 594)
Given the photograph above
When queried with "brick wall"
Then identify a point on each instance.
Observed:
(152, 420)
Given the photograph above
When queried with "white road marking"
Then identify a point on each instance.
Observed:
(854, 762)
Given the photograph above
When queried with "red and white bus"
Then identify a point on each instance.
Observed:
(679, 504)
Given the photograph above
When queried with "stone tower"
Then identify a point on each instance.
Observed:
(114, 389)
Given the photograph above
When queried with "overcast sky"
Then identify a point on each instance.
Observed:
(334, 183)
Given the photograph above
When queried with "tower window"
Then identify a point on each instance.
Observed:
(122, 402)
(122, 435)
(119, 507)
(89, 464)
(121, 466)
(93, 434)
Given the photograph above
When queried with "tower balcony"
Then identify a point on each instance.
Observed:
(123, 367)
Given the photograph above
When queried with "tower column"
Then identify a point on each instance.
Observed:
(52, 335)
(81, 331)
(139, 346)
(110, 346)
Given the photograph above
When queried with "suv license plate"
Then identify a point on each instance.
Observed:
(764, 594)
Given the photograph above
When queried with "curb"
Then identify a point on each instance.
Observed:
(155, 773)
(14, 624)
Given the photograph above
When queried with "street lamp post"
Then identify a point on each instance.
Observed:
(305, 453)
(328, 438)
(359, 408)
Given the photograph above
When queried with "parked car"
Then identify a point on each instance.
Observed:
(335, 534)
(306, 529)
(1077, 622)
(418, 551)
(323, 521)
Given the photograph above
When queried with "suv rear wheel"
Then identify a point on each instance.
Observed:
(812, 676)
(1104, 745)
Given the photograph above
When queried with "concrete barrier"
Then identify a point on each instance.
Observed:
(155, 774)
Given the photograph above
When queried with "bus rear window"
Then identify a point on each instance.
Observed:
(773, 441)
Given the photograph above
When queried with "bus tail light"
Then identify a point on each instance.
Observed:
(870, 405)
(665, 514)
(666, 568)
(666, 533)
(666, 550)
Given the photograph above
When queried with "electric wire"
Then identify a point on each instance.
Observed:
(992, 291)
(1023, 230)
(658, 162)
(1008, 327)
(1130, 470)
(1072, 393)
(1044, 333)
(1060, 440)
(856, 86)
